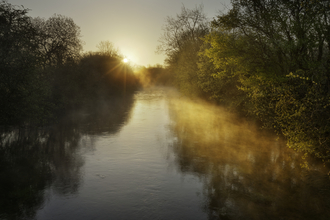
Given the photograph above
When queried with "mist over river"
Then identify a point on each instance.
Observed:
(157, 155)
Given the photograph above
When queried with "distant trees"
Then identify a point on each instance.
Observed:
(107, 48)
(154, 75)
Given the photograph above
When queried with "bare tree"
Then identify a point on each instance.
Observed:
(190, 25)
(181, 42)
(107, 48)
(59, 39)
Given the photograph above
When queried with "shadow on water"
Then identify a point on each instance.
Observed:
(33, 162)
(247, 174)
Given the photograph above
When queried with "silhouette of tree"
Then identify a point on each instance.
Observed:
(190, 25)
(107, 48)
(181, 41)
(21, 87)
(58, 39)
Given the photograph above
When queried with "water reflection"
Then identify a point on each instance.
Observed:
(35, 161)
(247, 174)
(242, 172)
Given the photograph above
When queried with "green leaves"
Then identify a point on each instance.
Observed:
(271, 57)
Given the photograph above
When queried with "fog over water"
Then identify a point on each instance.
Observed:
(157, 155)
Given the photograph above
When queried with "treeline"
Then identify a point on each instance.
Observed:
(267, 59)
(156, 75)
(43, 72)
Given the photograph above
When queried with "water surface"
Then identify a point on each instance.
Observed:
(157, 155)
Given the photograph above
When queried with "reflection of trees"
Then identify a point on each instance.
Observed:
(33, 160)
(247, 174)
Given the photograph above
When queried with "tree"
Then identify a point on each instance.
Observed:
(292, 35)
(21, 84)
(281, 49)
(58, 39)
(107, 48)
(181, 42)
(222, 70)
(190, 25)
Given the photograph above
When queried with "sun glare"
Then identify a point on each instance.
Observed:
(125, 60)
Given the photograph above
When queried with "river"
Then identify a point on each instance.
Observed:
(157, 155)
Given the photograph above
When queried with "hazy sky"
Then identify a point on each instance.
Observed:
(134, 26)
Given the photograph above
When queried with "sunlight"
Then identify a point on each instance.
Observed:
(130, 54)
(125, 60)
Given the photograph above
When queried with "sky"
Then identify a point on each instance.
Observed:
(133, 26)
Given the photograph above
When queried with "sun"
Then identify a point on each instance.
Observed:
(125, 60)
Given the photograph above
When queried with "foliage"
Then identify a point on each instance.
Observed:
(272, 58)
(302, 114)
(23, 89)
(93, 78)
(58, 39)
(222, 70)
(180, 42)
(43, 73)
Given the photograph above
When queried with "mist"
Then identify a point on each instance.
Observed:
(247, 172)
(233, 125)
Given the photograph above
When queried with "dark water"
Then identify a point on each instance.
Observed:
(157, 156)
